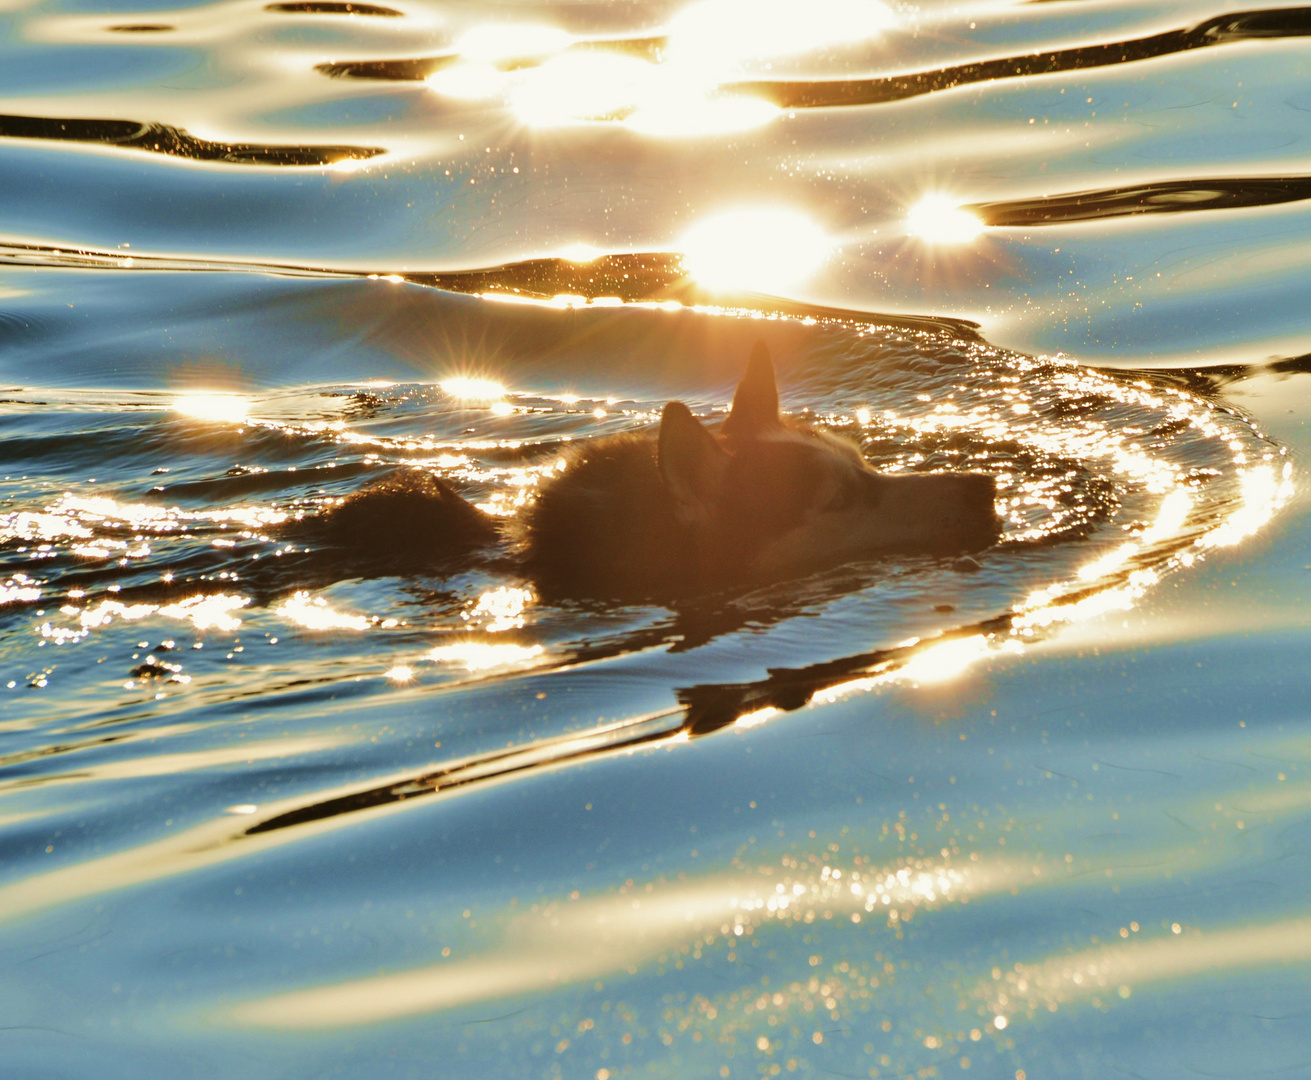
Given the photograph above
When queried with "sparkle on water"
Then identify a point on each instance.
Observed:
(474, 655)
(938, 219)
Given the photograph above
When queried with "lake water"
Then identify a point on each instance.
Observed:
(1041, 813)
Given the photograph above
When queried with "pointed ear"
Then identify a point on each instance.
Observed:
(755, 402)
(692, 462)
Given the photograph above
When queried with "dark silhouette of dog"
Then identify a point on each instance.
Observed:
(685, 511)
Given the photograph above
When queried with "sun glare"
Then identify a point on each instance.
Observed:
(590, 87)
(468, 82)
(216, 408)
(936, 219)
(498, 42)
(765, 248)
(469, 388)
(480, 656)
(721, 34)
(583, 86)
(580, 253)
(943, 662)
(698, 114)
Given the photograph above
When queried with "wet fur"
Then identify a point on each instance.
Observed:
(607, 525)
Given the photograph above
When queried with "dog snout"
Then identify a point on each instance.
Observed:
(979, 491)
(872, 487)
(978, 505)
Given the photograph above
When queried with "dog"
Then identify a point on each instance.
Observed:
(684, 511)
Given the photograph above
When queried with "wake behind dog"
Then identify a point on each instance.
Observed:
(685, 510)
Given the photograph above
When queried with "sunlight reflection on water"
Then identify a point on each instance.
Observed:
(767, 248)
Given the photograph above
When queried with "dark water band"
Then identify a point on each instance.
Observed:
(1158, 197)
(175, 142)
(1220, 30)
(332, 7)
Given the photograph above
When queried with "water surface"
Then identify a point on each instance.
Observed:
(266, 813)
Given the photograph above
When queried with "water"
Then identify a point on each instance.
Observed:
(266, 812)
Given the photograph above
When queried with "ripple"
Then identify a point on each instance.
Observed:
(175, 142)
(1219, 30)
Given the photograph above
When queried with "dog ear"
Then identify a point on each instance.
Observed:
(755, 402)
(692, 462)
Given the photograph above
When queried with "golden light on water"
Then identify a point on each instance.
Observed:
(1170, 517)
(494, 43)
(468, 82)
(945, 661)
(472, 388)
(771, 249)
(313, 613)
(1188, 519)
(578, 87)
(1264, 491)
(547, 83)
(208, 612)
(19, 588)
(587, 938)
(212, 611)
(483, 656)
(721, 35)
(580, 253)
(756, 718)
(582, 86)
(689, 114)
(1108, 972)
(214, 407)
(937, 219)
(503, 608)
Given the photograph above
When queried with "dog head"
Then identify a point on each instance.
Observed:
(772, 498)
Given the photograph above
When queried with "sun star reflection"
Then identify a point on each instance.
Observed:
(937, 219)
(471, 388)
